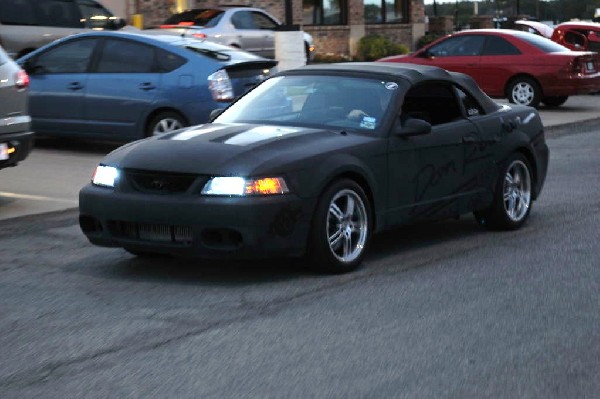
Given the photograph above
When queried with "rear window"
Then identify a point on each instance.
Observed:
(205, 17)
(546, 45)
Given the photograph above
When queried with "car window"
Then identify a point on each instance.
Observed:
(167, 61)
(93, 14)
(71, 57)
(434, 102)
(262, 21)
(575, 38)
(470, 104)
(125, 56)
(59, 13)
(243, 20)
(495, 45)
(545, 45)
(17, 12)
(464, 45)
(203, 17)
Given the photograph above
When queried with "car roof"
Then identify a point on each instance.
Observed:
(579, 24)
(413, 73)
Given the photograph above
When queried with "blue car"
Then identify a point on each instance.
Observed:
(122, 86)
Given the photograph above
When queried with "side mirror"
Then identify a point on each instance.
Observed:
(412, 127)
(214, 113)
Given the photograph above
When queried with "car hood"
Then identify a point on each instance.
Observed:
(234, 149)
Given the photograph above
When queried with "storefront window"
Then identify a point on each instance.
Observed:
(386, 11)
(324, 12)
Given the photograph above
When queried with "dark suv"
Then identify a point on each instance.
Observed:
(16, 139)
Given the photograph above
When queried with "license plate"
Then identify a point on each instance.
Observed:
(589, 66)
(4, 152)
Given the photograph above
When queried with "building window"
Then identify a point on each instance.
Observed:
(386, 11)
(324, 12)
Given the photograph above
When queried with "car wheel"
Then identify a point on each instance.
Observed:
(512, 198)
(524, 91)
(555, 101)
(165, 122)
(341, 228)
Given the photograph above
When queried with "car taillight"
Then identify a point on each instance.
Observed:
(199, 35)
(220, 86)
(21, 80)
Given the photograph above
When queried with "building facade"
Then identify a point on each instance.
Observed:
(336, 25)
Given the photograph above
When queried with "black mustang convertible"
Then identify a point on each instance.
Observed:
(314, 161)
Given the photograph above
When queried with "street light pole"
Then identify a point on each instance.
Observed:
(289, 13)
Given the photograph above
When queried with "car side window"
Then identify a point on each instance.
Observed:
(495, 45)
(58, 13)
(263, 21)
(18, 12)
(434, 102)
(71, 57)
(243, 20)
(471, 106)
(465, 45)
(167, 61)
(125, 56)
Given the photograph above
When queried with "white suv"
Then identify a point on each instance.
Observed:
(248, 28)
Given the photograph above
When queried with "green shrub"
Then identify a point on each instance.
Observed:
(374, 47)
(321, 58)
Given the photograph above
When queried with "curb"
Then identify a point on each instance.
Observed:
(565, 129)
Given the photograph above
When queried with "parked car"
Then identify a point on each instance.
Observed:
(251, 29)
(16, 138)
(523, 67)
(577, 35)
(125, 86)
(314, 161)
(26, 25)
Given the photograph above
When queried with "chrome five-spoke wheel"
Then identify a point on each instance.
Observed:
(517, 191)
(341, 228)
(347, 226)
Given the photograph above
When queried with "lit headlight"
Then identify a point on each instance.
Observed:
(241, 186)
(105, 176)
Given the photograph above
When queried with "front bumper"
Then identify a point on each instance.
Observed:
(15, 147)
(194, 225)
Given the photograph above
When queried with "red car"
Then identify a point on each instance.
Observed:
(523, 67)
(578, 36)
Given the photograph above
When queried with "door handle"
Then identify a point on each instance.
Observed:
(147, 86)
(75, 86)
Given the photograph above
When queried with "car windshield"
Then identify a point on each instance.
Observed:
(546, 45)
(332, 102)
(205, 17)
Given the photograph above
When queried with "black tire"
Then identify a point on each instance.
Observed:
(554, 101)
(351, 230)
(524, 91)
(165, 122)
(513, 196)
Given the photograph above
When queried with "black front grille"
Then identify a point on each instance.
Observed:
(160, 182)
(151, 232)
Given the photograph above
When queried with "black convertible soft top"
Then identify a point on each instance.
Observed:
(414, 74)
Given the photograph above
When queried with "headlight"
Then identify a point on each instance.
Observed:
(105, 176)
(241, 186)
